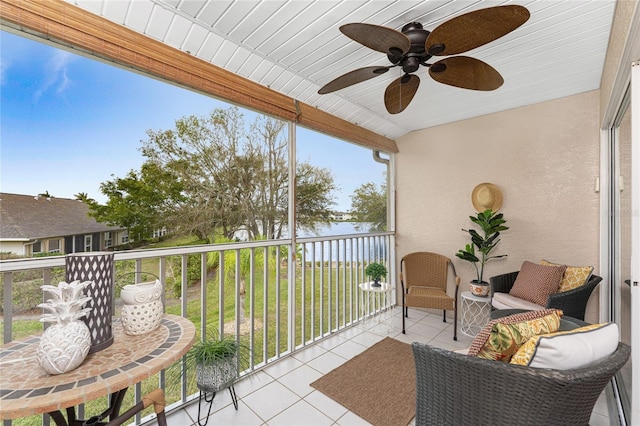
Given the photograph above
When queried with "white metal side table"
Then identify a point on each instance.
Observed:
(476, 313)
(375, 303)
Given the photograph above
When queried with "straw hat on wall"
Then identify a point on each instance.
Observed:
(486, 196)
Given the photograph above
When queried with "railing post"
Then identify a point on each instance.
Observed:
(252, 306)
(277, 290)
(8, 307)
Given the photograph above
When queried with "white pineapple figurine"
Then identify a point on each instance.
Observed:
(66, 342)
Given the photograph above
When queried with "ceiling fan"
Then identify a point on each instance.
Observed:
(414, 46)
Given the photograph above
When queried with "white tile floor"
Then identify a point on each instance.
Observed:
(280, 394)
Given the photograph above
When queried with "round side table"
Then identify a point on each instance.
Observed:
(375, 302)
(476, 313)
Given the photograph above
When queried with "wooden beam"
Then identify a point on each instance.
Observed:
(66, 24)
(326, 123)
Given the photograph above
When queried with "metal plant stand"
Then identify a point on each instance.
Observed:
(203, 397)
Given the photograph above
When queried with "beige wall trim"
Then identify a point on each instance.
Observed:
(624, 43)
(66, 24)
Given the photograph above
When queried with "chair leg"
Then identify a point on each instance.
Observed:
(455, 324)
(162, 418)
(155, 398)
(404, 308)
(444, 315)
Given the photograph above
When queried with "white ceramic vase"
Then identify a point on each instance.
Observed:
(142, 311)
(135, 294)
(67, 341)
(63, 347)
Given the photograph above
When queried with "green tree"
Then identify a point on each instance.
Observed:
(369, 207)
(235, 177)
(314, 189)
(83, 196)
(139, 202)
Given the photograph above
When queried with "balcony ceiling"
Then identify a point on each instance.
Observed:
(295, 47)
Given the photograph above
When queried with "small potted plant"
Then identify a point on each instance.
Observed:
(376, 271)
(216, 361)
(478, 252)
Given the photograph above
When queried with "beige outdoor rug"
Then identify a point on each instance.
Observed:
(378, 385)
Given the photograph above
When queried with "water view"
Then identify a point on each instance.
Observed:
(358, 248)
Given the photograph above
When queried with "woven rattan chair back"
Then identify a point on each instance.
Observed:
(425, 269)
(424, 278)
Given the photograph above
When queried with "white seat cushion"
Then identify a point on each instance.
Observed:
(507, 301)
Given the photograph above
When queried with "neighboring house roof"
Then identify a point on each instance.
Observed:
(28, 217)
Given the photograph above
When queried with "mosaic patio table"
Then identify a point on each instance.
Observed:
(25, 389)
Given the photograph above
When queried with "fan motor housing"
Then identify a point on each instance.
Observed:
(416, 55)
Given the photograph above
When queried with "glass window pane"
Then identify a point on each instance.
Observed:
(54, 246)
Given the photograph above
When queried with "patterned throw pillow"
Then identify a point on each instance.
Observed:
(501, 338)
(573, 277)
(536, 282)
(569, 349)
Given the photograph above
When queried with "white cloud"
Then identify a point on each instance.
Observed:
(63, 83)
(56, 74)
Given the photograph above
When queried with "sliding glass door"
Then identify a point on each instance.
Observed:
(634, 283)
(623, 240)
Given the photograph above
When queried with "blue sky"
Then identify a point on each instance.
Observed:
(69, 123)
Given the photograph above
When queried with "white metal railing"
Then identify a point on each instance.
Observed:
(256, 290)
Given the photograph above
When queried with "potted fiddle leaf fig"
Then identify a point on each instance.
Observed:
(478, 252)
(376, 271)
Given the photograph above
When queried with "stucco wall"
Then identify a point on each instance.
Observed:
(545, 159)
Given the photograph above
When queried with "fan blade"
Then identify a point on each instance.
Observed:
(351, 78)
(400, 93)
(473, 29)
(466, 72)
(378, 38)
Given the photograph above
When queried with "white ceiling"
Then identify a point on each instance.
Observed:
(295, 47)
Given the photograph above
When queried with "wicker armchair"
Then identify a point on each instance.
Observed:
(424, 277)
(573, 302)
(456, 389)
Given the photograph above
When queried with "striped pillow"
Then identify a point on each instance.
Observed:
(502, 337)
(535, 282)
